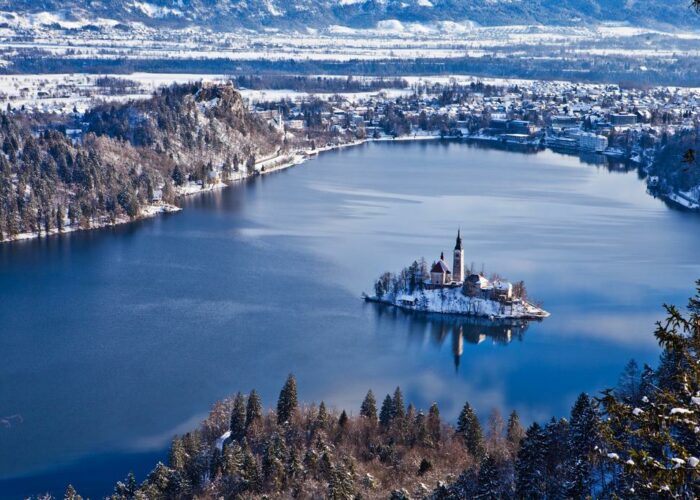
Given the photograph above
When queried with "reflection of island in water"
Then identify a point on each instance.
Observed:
(457, 330)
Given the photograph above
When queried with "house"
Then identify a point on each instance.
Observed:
(477, 285)
(502, 290)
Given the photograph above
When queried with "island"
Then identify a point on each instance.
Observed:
(462, 292)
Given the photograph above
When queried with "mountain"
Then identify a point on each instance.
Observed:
(319, 14)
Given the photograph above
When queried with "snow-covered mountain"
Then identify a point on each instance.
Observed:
(301, 14)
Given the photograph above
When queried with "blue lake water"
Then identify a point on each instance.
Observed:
(114, 340)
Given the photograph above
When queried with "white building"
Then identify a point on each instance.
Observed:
(589, 141)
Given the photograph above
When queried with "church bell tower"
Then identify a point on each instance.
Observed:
(458, 267)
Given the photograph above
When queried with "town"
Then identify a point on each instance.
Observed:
(625, 128)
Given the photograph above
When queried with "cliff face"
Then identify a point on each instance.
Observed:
(129, 157)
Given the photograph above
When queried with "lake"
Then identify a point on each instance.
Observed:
(114, 340)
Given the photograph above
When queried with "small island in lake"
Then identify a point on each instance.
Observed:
(439, 290)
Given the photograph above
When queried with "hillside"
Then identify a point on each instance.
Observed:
(263, 14)
(119, 162)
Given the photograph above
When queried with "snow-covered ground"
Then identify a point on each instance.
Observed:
(453, 301)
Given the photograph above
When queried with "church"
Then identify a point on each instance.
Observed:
(440, 274)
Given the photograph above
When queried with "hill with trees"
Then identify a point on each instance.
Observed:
(638, 440)
(126, 157)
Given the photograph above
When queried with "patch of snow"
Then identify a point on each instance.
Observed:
(681, 411)
(222, 439)
(156, 11)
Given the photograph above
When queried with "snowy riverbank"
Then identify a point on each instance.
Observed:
(453, 301)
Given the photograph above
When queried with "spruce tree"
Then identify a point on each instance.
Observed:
(343, 420)
(386, 414)
(654, 445)
(556, 434)
(287, 402)
(398, 409)
(489, 481)
(178, 454)
(469, 428)
(530, 465)
(434, 424)
(238, 418)
(368, 409)
(584, 438)
(629, 383)
(322, 416)
(514, 431)
(253, 410)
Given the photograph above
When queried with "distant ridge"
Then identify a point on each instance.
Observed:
(319, 14)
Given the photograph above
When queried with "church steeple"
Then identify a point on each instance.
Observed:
(458, 266)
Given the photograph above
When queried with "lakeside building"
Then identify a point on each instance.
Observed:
(623, 119)
(589, 141)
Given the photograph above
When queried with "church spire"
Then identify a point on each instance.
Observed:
(458, 244)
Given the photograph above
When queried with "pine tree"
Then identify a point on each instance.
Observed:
(654, 446)
(238, 418)
(343, 420)
(71, 494)
(489, 483)
(584, 437)
(398, 409)
(178, 455)
(368, 409)
(628, 385)
(434, 424)
(469, 428)
(322, 416)
(514, 431)
(287, 402)
(556, 434)
(386, 414)
(253, 410)
(250, 471)
(530, 466)
(341, 485)
(126, 489)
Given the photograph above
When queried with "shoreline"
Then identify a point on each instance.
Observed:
(293, 159)
(148, 211)
(492, 317)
